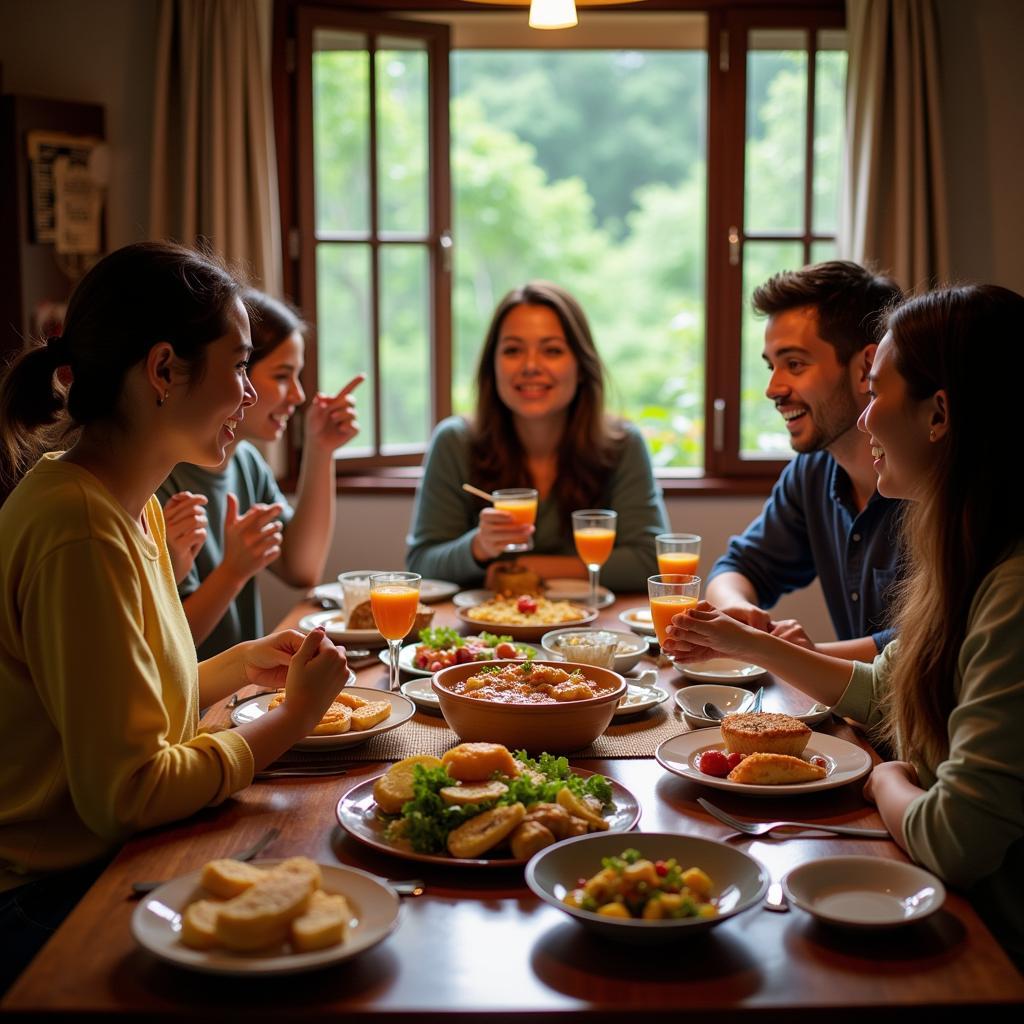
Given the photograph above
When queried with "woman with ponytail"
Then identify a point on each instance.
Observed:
(948, 695)
(99, 682)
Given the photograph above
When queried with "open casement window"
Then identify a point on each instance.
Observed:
(371, 204)
(781, 80)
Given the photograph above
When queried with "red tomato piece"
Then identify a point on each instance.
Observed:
(526, 604)
(506, 650)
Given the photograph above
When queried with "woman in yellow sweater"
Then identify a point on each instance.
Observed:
(99, 683)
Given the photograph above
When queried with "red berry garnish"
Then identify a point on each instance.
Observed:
(734, 759)
(714, 762)
(820, 762)
(526, 604)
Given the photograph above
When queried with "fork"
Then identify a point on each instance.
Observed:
(299, 771)
(751, 828)
(141, 888)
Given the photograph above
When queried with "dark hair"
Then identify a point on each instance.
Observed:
(967, 342)
(270, 322)
(851, 302)
(131, 300)
(589, 445)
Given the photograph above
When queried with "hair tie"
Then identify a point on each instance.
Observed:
(58, 349)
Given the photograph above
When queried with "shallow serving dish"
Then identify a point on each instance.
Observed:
(629, 650)
(691, 700)
(555, 728)
(520, 630)
(739, 881)
(864, 892)
(720, 670)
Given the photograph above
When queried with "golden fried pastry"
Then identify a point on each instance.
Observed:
(262, 915)
(774, 770)
(477, 762)
(199, 924)
(337, 719)
(528, 838)
(323, 924)
(301, 866)
(761, 732)
(350, 700)
(473, 793)
(394, 788)
(475, 837)
(370, 714)
(228, 877)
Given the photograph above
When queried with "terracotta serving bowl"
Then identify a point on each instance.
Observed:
(555, 728)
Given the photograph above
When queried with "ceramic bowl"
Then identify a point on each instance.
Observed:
(738, 881)
(864, 892)
(555, 728)
(691, 701)
(628, 652)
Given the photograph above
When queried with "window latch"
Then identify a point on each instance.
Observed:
(734, 245)
(718, 425)
(447, 243)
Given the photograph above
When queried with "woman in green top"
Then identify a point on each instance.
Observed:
(948, 695)
(539, 422)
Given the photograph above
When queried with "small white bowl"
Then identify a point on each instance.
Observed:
(691, 700)
(630, 646)
(864, 892)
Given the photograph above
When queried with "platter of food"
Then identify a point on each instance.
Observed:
(639, 620)
(526, 617)
(337, 630)
(481, 807)
(216, 920)
(438, 647)
(764, 754)
(357, 713)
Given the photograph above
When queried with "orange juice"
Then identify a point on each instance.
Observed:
(594, 544)
(522, 510)
(394, 609)
(663, 608)
(682, 562)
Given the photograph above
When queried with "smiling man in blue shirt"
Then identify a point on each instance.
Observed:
(824, 517)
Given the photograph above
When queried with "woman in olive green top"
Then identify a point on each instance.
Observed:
(948, 695)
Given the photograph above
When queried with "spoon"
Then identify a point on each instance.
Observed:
(716, 714)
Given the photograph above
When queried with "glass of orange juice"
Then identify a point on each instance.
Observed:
(669, 595)
(593, 530)
(678, 553)
(521, 504)
(394, 597)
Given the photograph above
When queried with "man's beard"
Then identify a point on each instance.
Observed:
(831, 418)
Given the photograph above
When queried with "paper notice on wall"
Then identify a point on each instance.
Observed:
(44, 149)
(77, 204)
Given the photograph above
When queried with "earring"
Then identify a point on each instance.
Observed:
(931, 435)
(160, 401)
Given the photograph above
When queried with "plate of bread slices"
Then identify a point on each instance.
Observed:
(760, 753)
(270, 917)
(355, 714)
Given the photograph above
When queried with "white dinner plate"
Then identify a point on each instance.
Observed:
(845, 762)
(407, 655)
(471, 598)
(156, 925)
(334, 624)
(430, 591)
(639, 620)
(401, 711)
(637, 698)
(864, 892)
(357, 814)
(721, 670)
(569, 589)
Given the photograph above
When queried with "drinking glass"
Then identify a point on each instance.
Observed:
(593, 530)
(669, 595)
(678, 553)
(355, 589)
(394, 597)
(521, 504)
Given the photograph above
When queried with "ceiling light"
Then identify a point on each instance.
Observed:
(553, 14)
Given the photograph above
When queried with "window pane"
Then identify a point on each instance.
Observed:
(402, 133)
(762, 433)
(594, 178)
(343, 328)
(821, 251)
(404, 346)
(829, 124)
(341, 131)
(776, 130)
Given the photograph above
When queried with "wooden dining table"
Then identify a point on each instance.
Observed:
(478, 942)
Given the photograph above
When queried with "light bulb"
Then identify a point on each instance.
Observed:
(552, 14)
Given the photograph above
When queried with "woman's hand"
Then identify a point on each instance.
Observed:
(186, 523)
(251, 541)
(331, 421)
(496, 531)
(706, 631)
(316, 673)
(791, 631)
(887, 775)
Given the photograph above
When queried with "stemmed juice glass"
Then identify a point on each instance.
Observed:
(593, 530)
(678, 553)
(394, 597)
(521, 504)
(669, 595)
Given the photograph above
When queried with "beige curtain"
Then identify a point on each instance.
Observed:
(894, 199)
(214, 167)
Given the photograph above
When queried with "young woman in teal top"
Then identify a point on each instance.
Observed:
(948, 695)
(539, 422)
